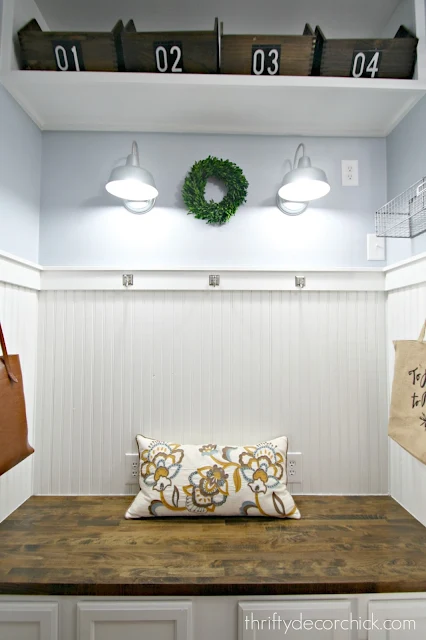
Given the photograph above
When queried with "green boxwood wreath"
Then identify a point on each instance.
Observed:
(194, 187)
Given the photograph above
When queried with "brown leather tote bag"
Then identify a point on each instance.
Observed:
(14, 446)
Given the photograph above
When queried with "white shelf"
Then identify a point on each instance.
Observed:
(206, 103)
(213, 104)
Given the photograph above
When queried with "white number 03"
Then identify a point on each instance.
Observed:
(359, 65)
(259, 61)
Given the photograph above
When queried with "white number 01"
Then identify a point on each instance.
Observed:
(359, 65)
(62, 58)
(259, 62)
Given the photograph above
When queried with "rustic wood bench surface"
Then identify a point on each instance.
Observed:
(83, 546)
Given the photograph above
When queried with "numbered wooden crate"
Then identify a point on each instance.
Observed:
(267, 55)
(64, 51)
(366, 58)
(170, 51)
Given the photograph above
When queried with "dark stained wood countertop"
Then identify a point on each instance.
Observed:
(84, 546)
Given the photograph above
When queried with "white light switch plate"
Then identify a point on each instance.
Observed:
(350, 176)
(376, 247)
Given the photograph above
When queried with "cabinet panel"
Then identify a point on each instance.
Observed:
(19, 630)
(153, 620)
(274, 619)
(28, 621)
(397, 619)
(135, 630)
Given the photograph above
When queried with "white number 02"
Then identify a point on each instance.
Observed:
(359, 65)
(162, 60)
(259, 62)
(62, 58)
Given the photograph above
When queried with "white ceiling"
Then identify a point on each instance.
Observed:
(344, 18)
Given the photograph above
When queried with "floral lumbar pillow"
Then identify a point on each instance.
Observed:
(210, 479)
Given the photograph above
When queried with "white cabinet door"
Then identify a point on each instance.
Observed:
(293, 620)
(152, 620)
(397, 619)
(28, 621)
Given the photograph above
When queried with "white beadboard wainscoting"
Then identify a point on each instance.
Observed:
(406, 312)
(249, 360)
(199, 366)
(19, 316)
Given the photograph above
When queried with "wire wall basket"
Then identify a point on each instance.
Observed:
(405, 215)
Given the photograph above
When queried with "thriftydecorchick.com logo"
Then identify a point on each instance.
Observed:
(276, 623)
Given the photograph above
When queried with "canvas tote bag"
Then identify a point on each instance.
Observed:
(407, 420)
(14, 445)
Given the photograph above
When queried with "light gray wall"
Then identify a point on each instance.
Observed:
(20, 176)
(83, 225)
(406, 163)
(339, 18)
(404, 13)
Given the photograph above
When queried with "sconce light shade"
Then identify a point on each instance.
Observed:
(303, 183)
(134, 185)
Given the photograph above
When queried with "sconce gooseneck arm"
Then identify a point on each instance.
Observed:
(301, 146)
(135, 153)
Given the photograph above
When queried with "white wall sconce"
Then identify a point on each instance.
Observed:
(132, 184)
(301, 185)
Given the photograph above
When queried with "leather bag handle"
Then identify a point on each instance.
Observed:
(5, 357)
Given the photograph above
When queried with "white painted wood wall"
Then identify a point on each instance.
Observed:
(19, 316)
(226, 365)
(229, 367)
(406, 312)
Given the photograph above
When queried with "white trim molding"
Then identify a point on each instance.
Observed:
(22, 273)
(406, 273)
(55, 279)
(19, 272)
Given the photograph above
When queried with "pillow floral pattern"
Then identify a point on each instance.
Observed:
(209, 479)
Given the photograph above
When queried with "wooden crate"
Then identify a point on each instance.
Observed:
(64, 51)
(171, 51)
(366, 58)
(268, 55)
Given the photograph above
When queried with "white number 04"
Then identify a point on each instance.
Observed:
(259, 62)
(62, 58)
(359, 65)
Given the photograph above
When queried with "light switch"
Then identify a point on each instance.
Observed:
(376, 247)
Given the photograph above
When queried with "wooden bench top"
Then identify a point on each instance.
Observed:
(84, 546)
